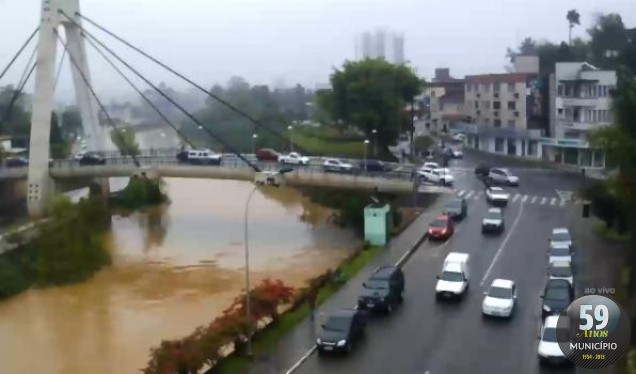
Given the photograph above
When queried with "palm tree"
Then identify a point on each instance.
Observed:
(574, 18)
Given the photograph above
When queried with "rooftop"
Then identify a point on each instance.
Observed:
(499, 78)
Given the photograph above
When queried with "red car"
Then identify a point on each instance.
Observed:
(267, 154)
(441, 228)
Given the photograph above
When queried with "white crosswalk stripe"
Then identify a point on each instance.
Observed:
(517, 196)
(562, 203)
(534, 198)
(461, 193)
(525, 197)
(469, 194)
(543, 200)
(553, 201)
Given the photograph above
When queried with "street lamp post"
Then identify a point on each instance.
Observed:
(254, 137)
(375, 142)
(248, 302)
(291, 142)
(366, 142)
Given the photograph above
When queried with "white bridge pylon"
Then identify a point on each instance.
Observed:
(40, 187)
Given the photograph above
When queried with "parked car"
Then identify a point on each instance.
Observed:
(493, 221)
(459, 137)
(549, 350)
(441, 228)
(503, 176)
(336, 166)
(440, 176)
(383, 290)
(16, 162)
(456, 208)
(561, 270)
(482, 171)
(92, 159)
(558, 294)
(200, 157)
(342, 328)
(267, 154)
(294, 158)
(497, 196)
(559, 252)
(457, 153)
(561, 235)
(499, 300)
(372, 165)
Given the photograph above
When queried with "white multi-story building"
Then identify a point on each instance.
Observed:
(580, 102)
(380, 44)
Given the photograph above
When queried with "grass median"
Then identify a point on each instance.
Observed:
(266, 340)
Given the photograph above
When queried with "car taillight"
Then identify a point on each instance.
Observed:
(443, 231)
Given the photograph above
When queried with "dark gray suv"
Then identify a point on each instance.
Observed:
(383, 290)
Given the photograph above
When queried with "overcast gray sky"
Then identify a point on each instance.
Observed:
(268, 41)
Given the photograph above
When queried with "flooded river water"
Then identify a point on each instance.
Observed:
(173, 269)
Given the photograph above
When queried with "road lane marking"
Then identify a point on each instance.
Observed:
(469, 194)
(461, 193)
(525, 197)
(302, 359)
(517, 196)
(503, 245)
(553, 201)
(479, 194)
(562, 203)
(543, 200)
(534, 198)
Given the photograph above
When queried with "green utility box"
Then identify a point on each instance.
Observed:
(377, 224)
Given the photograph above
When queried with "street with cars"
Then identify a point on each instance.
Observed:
(500, 260)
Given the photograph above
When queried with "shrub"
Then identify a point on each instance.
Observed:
(12, 280)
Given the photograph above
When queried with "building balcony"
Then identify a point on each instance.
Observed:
(581, 126)
(578, 101)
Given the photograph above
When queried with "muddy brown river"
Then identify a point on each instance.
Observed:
(174, 268)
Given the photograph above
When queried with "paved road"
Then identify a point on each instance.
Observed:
(425, 336)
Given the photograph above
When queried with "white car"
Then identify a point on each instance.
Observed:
(497, 195)
(503, 176)
(457, 153)
(430, 165)
(459, 137)
(561, 270)
(441, 175)
(294, 158)
(493, 221)
(203, 157)
(79, 155)
(336, 165)
(561, 235)
(549, 350)
(560, 252)
(499, 300)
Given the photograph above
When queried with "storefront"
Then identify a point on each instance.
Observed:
(574, 152)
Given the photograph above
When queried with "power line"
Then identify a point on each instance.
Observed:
(152, 105)
(103, 109)
(219, 139)
(199, 87)
(6, 68)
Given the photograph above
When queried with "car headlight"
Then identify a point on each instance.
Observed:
(341, 343)
(546, 308)
(318, 341)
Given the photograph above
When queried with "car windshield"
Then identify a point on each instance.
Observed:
(500, 293)
(439, 223)
(376, 284)
(452, 276)
(337, 323)
(560, 251)
(549, 334)
(561, 271)
(496, 190)
(493, 215)
(557, 294)
(561, 237)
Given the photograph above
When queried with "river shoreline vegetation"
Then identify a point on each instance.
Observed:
(140, 192)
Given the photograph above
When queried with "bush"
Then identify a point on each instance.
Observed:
(140, 191)
(12, 280)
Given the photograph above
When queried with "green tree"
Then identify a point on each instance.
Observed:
(126, 141)
(60, 148)
(608, 37)
(372, 94)
(574, 18)
(71, 122)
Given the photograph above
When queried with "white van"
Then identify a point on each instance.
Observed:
(453, 282)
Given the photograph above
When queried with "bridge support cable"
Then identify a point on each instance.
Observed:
(143, 96)
(22, 82)
(59, 68)
(18, 91)
(190, 81)
(15, 57)
(90, 88)
(172, 101)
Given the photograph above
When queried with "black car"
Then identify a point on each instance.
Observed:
(182, 156)
(92, 159)
(456, 208)
(558, 294)
(341, 330)
(482, 170)
(372, 165)
(16, 162)
(383, 290)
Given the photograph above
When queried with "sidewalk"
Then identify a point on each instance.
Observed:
(298, 342)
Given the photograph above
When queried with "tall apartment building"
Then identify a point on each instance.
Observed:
(506, 113)
(580, 102)
(380, 44)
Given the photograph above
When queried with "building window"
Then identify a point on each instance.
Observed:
(499, 145)
(512, 105)
(560, 90)
(511, 87)
(511, 124)
(571, 134)
(487, 121)
(495, 87)
(593, 90)
(433, 93)
(496, 122)
(476, 104)
(485, 87)
(496, 105)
